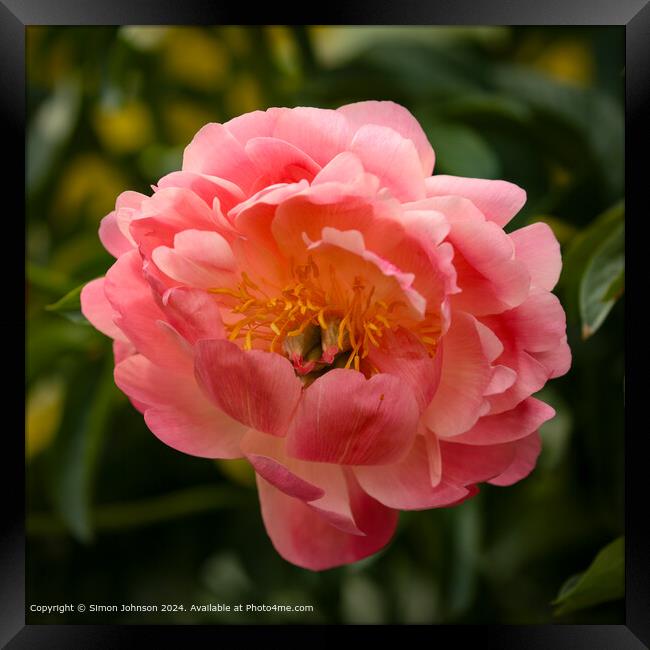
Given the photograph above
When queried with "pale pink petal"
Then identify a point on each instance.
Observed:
(257, 388)
(498, 200)
(392, 158)
(503, 378)
(526, 452)
(112, 237)
(465, 375)
(537, 247)
(254, 124)
(304, 537)
(200, 259)
(407, 486)
(177, 412)
(347, 419)
(206, 187)
(398, 118)
(279, 161)
(320, 133)
(403, 355)
(215, 151)
(511, 425)
(96, 308)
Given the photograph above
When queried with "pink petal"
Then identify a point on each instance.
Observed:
(526, 452)
(346, 419)
(304, 537)
(201, 259)
(323, 485)
(503, 378)
(193, 313)
(406, 485)
(215, 151)
(177, 412)
(279, 161)
(112, 237)
(392, 158)
(257, 388)
(206, 187)
(139, 317)
(320, 133)
(537, 247)
(465, 375)
(499, 201)
(511, 425)
(398, 118)
(557, 360)
(403, 355)
(254, 124)
(96, 308)
(488, 252)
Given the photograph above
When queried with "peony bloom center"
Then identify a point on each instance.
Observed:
(320, 319)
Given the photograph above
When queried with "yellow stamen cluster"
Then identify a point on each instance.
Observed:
(346, 314)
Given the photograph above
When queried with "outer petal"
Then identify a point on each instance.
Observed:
(215, 151)
(112, 237)
(537, 247)
(511, 425)
(322, 485)
(304, 537)
(499, 201)
(140, 318)
(398, 118)
(320, 133)
(177, 412)
(392, 158)
(96, 308)
(526, 452)
(407, 485)
(346, 419)
(466, 374)
(257, 388)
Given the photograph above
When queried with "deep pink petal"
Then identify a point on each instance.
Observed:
(177, 411)
(256, 388)
(499, 200)
(346, 419)
(398, 118)
(306, 538)
(193, 313)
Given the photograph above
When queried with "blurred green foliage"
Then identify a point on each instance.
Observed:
(115, 516)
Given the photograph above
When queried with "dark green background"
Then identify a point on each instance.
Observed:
(115, 516)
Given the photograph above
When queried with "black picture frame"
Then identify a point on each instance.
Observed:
(634, 15)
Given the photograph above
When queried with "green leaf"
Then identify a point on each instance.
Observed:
(76, 449)
(69, 306)
(579, 254)
(602, 281)
(603, 581)
(461, 151)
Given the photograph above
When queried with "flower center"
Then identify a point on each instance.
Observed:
(317, 322)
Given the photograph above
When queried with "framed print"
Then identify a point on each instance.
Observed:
(326, 324)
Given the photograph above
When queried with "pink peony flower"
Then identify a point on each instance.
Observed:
(305, 294)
